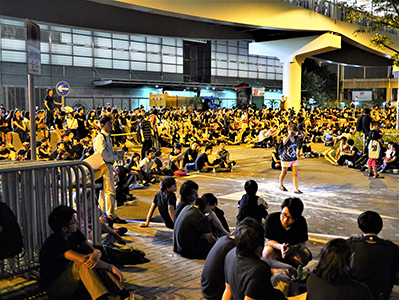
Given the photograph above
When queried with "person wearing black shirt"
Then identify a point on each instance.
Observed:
(286, 233)
(68, 262)
(49, 105)
(165, 200)
(202, 163)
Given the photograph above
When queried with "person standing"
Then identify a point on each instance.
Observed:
(289, 157)
(146, 134)
(49, 105)
(103, 144)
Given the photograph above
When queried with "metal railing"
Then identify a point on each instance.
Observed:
(32, 190)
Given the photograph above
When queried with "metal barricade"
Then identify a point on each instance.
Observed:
(32, 189)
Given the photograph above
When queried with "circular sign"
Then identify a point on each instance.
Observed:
(62, 88)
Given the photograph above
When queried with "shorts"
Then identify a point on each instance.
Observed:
(288, 164)
(373, 162)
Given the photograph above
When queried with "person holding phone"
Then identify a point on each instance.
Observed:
(289, 157)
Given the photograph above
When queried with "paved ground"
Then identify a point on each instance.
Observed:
(333, 197)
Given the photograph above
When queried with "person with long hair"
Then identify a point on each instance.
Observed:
(332, 277)
(289, 157)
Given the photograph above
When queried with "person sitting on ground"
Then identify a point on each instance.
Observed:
(147, 166)
(332, 277)
(375, 261)
(223, 157)
(176, 158)
(286, 233)
(252, 205)
(188, 195)
(246, 275)
(65, 266)
(351, 154)
(212, 277)
(202, 163)
(391, 158)
(165, 200)
(21, 155)
(190, 155)
(192, 235)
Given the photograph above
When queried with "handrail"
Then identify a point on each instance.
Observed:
(32, 189)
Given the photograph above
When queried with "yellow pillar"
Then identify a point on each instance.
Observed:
(292, 75)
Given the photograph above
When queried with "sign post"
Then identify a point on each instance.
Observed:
(63, 89)
(33, 61)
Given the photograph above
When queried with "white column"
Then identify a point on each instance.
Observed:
(292, 84)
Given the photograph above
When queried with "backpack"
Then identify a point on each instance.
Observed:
(10, 233)
(125, 255)
(359, 124)
(374, 149)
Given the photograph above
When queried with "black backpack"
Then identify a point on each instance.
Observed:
(10, 233)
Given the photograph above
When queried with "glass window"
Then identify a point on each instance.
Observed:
(153, 39)
(243, 74)
(221, 56)
(167, 59)
(66, 38)
(169, 41)
(262, 75)
(13, 56)
(139, 66)
(252, 67)
(271, 69)
(117, 54)
(271, 76)
(253, 74)
(154, 48)
(169, 50)
(154, 57)
(232, 43)
(262, 68)
(103, 63)
(221, 72)
(233, 73)
(83, 61)
(179, 51)
(179, 60)
(102, 42)
(119, 44)
(243, 66)
(233, 50)
(153, 67)
(179, 70)
(45, 59)
(221, 48)
(140, 56)
(61, 49)
(82, 39)
(61, 29)
(243, 51)
(121, 64)
(243, 59)
(179, 42)
(12, 44)
(138, 38)
(232, 57)
(232, 65)
(82, 51)
(169, 68)
(80, 31)
(62, 60)
(103, 34)
(120, 36)
(12, 22)
(105, 53)
(221, 64)
(137, 46)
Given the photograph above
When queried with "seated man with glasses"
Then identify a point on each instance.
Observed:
(286, 233)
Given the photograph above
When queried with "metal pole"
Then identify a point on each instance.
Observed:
(32, 116)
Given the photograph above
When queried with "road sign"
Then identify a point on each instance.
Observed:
(33, 56)
(62, 88)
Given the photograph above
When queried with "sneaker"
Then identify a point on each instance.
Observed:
(136, 186)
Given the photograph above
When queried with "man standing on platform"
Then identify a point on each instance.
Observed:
(103, 144)
(49, 105)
